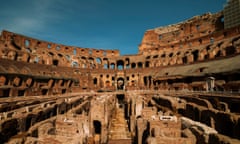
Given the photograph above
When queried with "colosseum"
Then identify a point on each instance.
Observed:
(182, 87)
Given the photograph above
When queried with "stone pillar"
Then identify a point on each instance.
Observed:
(104, 134)
(141, 126)
(132, 123)
(210, 83)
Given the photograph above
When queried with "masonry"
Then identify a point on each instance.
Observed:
(181, 87)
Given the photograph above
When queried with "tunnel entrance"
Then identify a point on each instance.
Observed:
(120, 83)
(120, 98)
(97, 127)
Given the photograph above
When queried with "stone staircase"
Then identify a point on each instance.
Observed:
(119, 127)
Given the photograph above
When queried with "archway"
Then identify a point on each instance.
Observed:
(97, 127)
(120, 64)
(120, 83)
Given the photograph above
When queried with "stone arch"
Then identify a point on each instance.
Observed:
(95, 81)
(140, 65)
(26, 43)
(147, 64)
(120, 64)
(127, 62)
(185, 60)
(91, 60)
(98, 60)
(155, 56)
(84, 62)
(195, 54)
(54, 62)
(112, 66)
(75, 64)
(105, 63)
(133, 65)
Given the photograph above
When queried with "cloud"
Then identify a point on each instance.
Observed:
(28, 17)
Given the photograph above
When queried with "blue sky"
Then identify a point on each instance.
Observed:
(101, 24)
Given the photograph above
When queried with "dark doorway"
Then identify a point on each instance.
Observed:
(21, 92)
(97, 127)
(120, 98)
(55, 62)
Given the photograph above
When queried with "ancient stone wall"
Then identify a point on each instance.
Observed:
(51, 92)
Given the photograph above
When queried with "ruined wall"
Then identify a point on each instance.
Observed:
(204, 110)
(22, 48)
(197, 39)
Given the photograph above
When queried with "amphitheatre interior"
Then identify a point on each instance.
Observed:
(182, 87)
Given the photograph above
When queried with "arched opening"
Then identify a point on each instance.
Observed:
(105, 66)
(95, 81)
(122, 104)
(74, 51)
(184, 59)
(98, 60)
(120, 83)
(145, 80)
(44, 91)
(140, 64)
(58, 48)
(97, 127)
(21, 92)
(105, 63)
(49, 46)
(55, 62)
(133, 65)
(112, 66)
(127, 62)
(75, 64)
(195, 55)
(27, 43)
(163, 55)
(120, 98)
(67, 57)
(120, 65)
(147, 64)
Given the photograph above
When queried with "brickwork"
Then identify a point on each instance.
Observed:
(53, 93)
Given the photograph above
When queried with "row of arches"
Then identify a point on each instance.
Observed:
(24, 86)
(218, 49)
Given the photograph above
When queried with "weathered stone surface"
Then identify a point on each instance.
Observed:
(53, 93)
